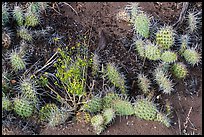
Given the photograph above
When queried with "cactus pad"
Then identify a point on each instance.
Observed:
(17, 62)
(143, 83)
(168, 57)
(163, 81)
(97, 120)
(6, 104)
(123, 107)
(141, 24)
(46, 111)
(145, 109)
(152, 52)
(109, 115)
(163, 119)
(179, 70)
(165, 38)
(94, 105)
(24, 33)
(18, 15)
(23, 107)
(140, 47)
(191, 56)
(108, 99)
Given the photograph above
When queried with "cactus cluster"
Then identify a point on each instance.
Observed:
(165, 37)
(108, 98)
(163, 81)
(179, 70)
(117, 79)
(191, 56)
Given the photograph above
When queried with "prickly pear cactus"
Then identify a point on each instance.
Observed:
(5, 15)
(142, 24)
(23, 107)
(17, 62)
(109, 115)
(152, 52)
(140, 47)
(184, 41)
(24, 33)
(168, 56)
(31, 19)
(143, 83)
(58, 116)
(28, 90)
(97, 123)
(163, 119)
(145, 109)
(18, 15)
(123, 107)
(179, 70)
(163, 81)
(46, 111)
(191, 56)
(115, 77)
(165, 37)
(94, 105)
(193, 21)
(6, 104)
(108, 99)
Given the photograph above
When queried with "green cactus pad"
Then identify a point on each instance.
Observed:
(143, 83)
(98, 129)
(18, 15)
(115, 77)
(145, 109)
(152, 52)
(179, 70)
(163, 119)
(6, 104)
(97, 120)
(141, 24)
(140, 47)
(23, 107)
(5, 15)
(193, 21)
(94, 105)
(46, 111)
(31, 19)
(165, 38)
(17, 62)
(168, 57)
(184, 43)
(191, 56)
(123, 107)
(109, 115)
(108, 99)
(163, 81)
(24, 33)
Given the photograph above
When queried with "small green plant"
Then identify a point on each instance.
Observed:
(117, 79)
(163, 81)
(18, 15)
(17, 61)
(141, 24)
(168, 56)
(165, 37)
(191, 56)
(152, 52)
(143, 83)
(24, 33)
(179, 70)
(23, 107)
